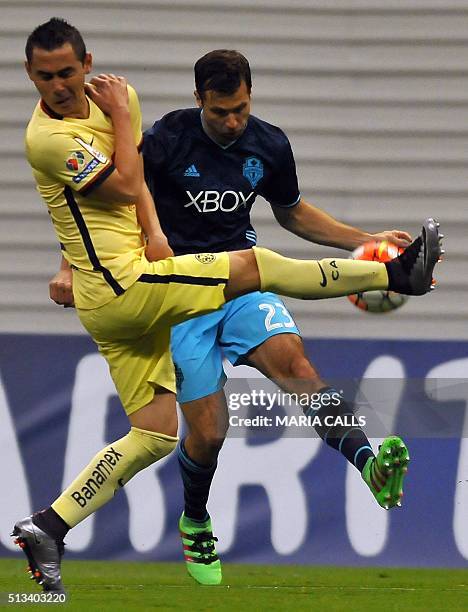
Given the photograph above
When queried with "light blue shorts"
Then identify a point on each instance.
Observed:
(199, 345)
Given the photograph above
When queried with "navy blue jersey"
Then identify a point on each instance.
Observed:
(204, 192)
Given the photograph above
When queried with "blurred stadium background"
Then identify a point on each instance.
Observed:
(374, 97)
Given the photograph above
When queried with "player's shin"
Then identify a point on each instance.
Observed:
(197, 482)
(110, 470)
(337, 425)
(195, 527)
(310, 279)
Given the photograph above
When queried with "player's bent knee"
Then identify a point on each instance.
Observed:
(243, 274)
(209, 440)
(300, 368)
(156, 445)
(146, 447)
(143, 449)
(207, 443)
(158, 416)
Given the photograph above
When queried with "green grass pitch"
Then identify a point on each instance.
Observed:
(105, 585)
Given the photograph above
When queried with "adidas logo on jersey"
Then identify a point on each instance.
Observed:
(191, 171)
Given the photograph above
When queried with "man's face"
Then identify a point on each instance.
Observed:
(59, 77)
(225, 116)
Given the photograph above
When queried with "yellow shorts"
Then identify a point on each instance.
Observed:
(133, 331)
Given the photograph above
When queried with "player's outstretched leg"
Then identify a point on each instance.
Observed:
(411, 272)
(44, 554)
(200, 554)
(384, 474)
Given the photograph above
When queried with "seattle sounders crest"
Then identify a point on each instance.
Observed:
(253, 170)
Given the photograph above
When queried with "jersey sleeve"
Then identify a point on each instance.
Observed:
(282, 189)
(154, 154)
(135, 114)
(71, 161)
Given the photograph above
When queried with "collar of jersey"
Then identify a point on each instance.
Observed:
(48, 111)
(53, 115)
(213, 140)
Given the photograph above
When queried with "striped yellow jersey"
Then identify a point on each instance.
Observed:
(102, 241)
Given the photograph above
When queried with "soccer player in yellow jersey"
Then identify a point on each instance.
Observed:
(82, 144)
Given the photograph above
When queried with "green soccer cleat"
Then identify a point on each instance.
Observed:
(200, 554)
(384, 474)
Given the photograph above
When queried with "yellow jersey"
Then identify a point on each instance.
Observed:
(102, 241)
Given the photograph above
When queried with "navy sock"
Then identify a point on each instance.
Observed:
(51, 523)
(345, 436)
(197, 482)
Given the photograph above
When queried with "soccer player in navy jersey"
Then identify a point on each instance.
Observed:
(205, 167)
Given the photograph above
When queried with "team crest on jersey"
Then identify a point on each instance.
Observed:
(205, 258)
(253, 170)
(75, 160)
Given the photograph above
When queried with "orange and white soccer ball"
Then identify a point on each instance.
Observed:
(380, 300)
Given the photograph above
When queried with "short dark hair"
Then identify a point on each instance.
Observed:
(222, 71)
(54, 34)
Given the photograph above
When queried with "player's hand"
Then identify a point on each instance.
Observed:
(398, 237)
(158, 248)
(109, 92)
(60, 288)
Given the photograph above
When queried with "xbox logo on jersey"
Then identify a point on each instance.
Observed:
(212, 201)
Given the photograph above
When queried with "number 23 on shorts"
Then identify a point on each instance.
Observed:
(272, 313)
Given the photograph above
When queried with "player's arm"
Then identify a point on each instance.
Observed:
(157, 246)
(314, 224)
(124, 184)
(60, 286)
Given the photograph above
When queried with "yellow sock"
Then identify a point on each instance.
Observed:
(312, 279)
(110, 470)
